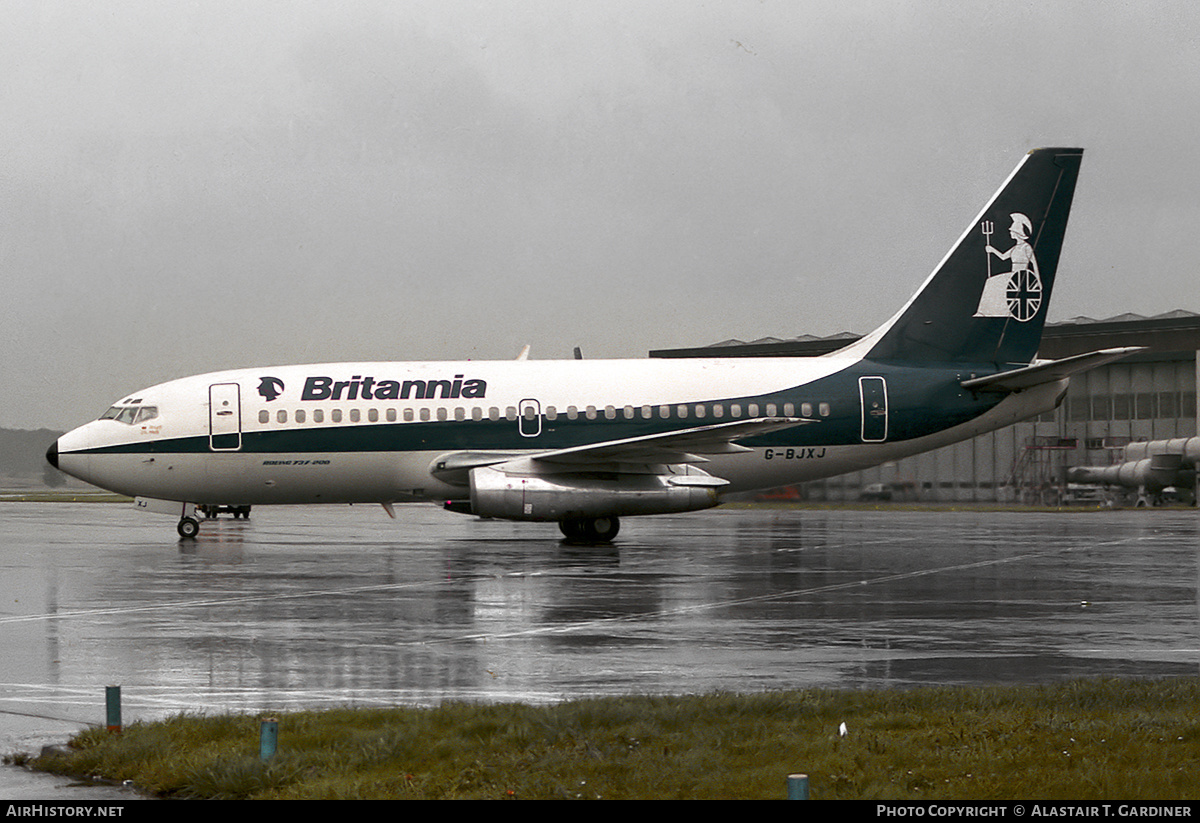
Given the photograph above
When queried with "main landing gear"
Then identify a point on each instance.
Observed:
(211, 511)
(590, 529)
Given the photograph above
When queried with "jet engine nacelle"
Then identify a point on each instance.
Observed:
(560, 496)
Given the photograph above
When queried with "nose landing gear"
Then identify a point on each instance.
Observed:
(189, 523)
(188, 528)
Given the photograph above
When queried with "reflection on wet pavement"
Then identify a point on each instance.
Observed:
(315, 607)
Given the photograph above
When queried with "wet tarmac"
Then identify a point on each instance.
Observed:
(316, 607)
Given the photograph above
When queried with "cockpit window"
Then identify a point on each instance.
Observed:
(130, 414)
(122, 414)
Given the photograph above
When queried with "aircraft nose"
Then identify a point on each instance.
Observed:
(52, 454)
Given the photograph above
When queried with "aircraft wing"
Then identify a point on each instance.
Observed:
(685, 446)
(1047, 371)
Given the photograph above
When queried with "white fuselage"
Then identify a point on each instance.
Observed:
(370, 432)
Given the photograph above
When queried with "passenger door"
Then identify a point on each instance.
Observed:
(873, 392)
(224, 417)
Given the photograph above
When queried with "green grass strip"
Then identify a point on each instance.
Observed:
(1078, 740)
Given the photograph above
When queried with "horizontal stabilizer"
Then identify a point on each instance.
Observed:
(1047, 371)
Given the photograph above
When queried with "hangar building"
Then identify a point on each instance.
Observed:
(1149, 396)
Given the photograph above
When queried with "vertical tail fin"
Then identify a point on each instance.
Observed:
(986, 301)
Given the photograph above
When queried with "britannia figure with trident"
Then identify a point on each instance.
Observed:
(1016, 293)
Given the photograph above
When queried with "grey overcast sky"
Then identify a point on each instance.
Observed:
(196, 185)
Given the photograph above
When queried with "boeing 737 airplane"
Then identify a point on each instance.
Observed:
(585, 442)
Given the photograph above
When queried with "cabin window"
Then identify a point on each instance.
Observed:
(408, 415)
(335, 416)
(664, 412)
(551, 413)
(355, 415)
(735, 410)
(681, 411)
(700, 411)
(770, 410)
(391, 415)
(510, 413)
(610, 413)
(590, 412)
(647, 412)
(718, 410)
(318, 416)
(264, 416)
(300, 415)
(493, 413)
(424, 413)
(789, 409)
(476, 413)
(752, 409)
(806, 409)
(629, 412)
(460, 413)
(442, 413)
(281, 416)
(824, 409)
(572, 413)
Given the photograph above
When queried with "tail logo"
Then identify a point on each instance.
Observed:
(1016, 293)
